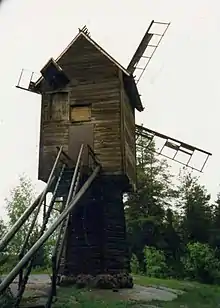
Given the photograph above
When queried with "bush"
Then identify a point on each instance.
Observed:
(7, 262)
(134, 264)
(6, 298)
(6, 301)
(155, 262)
(201, 264)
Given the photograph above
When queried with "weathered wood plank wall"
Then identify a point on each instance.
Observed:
(96, 86)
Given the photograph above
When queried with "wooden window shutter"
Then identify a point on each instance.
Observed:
(80, 113)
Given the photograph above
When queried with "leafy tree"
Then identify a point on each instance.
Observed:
(155, 262)
(3, 254)
(3, 227)
(215, 231)
(144, 208)
(134, 264)
(172, 244)
(201, 264)
(50, 243)
(20, 198)
(196, 215)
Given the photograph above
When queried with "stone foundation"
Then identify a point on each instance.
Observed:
(102, 281)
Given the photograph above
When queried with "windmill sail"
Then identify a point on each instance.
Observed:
(176, 145)
(141, 52)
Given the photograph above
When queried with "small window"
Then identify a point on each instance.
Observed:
(80, 113)
(59, 106)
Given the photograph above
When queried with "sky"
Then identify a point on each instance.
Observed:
(179, 89)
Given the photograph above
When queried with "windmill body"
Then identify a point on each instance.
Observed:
(89, 98)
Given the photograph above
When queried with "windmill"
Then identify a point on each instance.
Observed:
(87, 157)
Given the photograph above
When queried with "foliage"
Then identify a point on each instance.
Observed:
(172, 231)
(3, 255)
(20, 198)
(195, 296)
(200, 263)
(152, 221)
(215, 230)
(155, 262)
(145, 208)
(134, 264)
(196, 217)
(50, 243)
(6, 301)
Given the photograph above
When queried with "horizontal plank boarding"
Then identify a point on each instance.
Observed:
(128, 137)
(84, 62)
(54, 133)
(94, 81)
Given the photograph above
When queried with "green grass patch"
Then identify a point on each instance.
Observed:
(70, 297)
(196, 296)
(39, 271)
(168, 283)
(203, 297)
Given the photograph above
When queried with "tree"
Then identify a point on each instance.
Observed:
(215, 231)
(200, 263)
(156, 262)
(173, 246)
(196, 218)
(51, 242)
(20, 198)
(145, 209)
(3, 254)
(3, 227)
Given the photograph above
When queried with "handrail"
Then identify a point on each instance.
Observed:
(57, 253)
(72, 193)
(93, 155)
(8, 236)
(66, 156)
(22, 282)
(14, 272)
(40, 203)
(90, 153)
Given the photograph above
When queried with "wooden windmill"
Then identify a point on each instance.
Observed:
(89, 98)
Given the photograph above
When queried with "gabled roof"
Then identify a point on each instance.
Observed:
(128, 78)
(88, 38)
(81, 33)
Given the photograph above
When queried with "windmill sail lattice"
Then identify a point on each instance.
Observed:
(147, 43)
(174, 144)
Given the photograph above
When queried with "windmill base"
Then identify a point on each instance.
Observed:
(96, 247)
(102, 281)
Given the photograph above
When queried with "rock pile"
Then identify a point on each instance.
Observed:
(102, 281)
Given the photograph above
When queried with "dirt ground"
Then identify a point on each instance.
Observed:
(38, 286)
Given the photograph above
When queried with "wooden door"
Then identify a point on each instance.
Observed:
(80, 134)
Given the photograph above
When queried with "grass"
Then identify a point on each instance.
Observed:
(169, 283)
(38, 271)
(203, 297)
(34, 271)
(196, 296)
(70, 297)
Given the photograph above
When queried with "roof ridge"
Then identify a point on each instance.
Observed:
(96, 45)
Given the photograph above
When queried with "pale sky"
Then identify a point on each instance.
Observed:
(179, 88)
